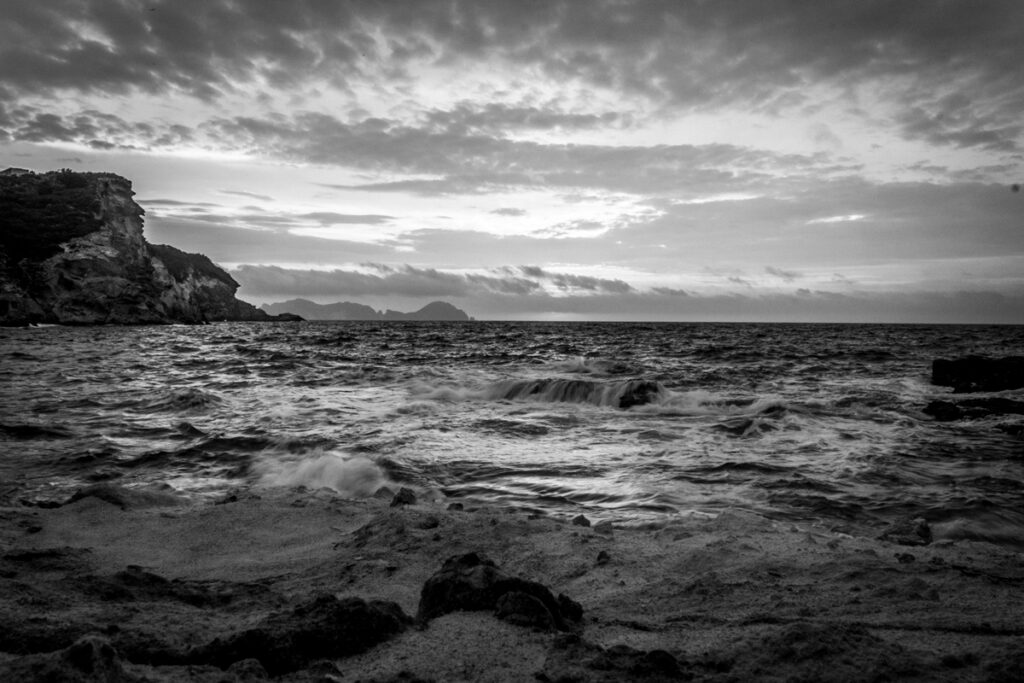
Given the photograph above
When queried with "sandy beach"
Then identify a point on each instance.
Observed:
(144, 586)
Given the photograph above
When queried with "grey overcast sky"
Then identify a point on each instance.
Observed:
(793, 160)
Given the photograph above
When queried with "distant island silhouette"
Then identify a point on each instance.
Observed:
(347, 310)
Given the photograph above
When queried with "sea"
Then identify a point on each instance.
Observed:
(632, 423)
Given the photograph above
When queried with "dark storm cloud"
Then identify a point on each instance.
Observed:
(96, 129)
(787, 275)
(572, 282)
(761, 55)
(243, 193)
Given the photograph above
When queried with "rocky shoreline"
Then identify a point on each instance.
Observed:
(301, 585)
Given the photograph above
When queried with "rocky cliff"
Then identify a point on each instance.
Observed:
(72, 252)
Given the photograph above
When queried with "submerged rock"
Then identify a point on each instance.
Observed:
(977, 373)
(472, 582)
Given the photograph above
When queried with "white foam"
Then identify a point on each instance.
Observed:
(355, 477)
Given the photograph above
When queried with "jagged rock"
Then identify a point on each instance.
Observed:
(472, 582)
(973, 408)
(325, 627)
(977, 373)
(405, 496)
(908, 532)
(91, 659)
(72, 252)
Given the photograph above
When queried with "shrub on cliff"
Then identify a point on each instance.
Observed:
(39, 212)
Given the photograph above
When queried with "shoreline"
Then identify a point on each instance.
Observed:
(735, 597)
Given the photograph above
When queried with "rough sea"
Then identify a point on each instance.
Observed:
(626, 422)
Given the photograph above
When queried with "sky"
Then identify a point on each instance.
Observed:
(777, 160)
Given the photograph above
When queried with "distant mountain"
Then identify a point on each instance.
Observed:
(346, 310)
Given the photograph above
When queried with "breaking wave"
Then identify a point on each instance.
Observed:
(355, 477)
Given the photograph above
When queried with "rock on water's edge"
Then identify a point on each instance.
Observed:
(978, 373)
(72, 252)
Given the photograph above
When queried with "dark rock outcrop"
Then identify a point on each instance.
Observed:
(91, 659)
(977, 373)
(472, 582)
(915, 531)
(973, 408)
(323, 628)
(622, 394)
(72, 252)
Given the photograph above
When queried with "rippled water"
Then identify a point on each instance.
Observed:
(620, 421)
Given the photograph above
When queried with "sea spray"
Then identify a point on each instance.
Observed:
(351, 476)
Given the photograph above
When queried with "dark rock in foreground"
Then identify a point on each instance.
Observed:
(472, 582)
(324, 628)
(90, 659)
(72, 252)
(977, 373)
(574, 659)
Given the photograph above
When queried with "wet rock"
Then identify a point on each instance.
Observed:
(126, 498)
(248, 670)
(523, 609)
(405, 496)
(136, 584)
(914, 531)
(973, 408)
(638, 393)
(978, 373)
(574, 659)
(91, 659)
(580, 520)
(821, 652)
(325, 627)
(472, 582)
(943, 411)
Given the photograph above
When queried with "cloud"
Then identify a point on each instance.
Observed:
(786, 275)
(506, 211)
(702, 56)
(243, 193)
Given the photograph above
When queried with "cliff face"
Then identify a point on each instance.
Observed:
(72, 252)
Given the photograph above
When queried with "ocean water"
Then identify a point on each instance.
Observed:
(626, 422)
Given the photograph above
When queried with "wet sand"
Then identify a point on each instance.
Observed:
(149, 585)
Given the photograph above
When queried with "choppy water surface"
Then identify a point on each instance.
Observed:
(619, 421)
